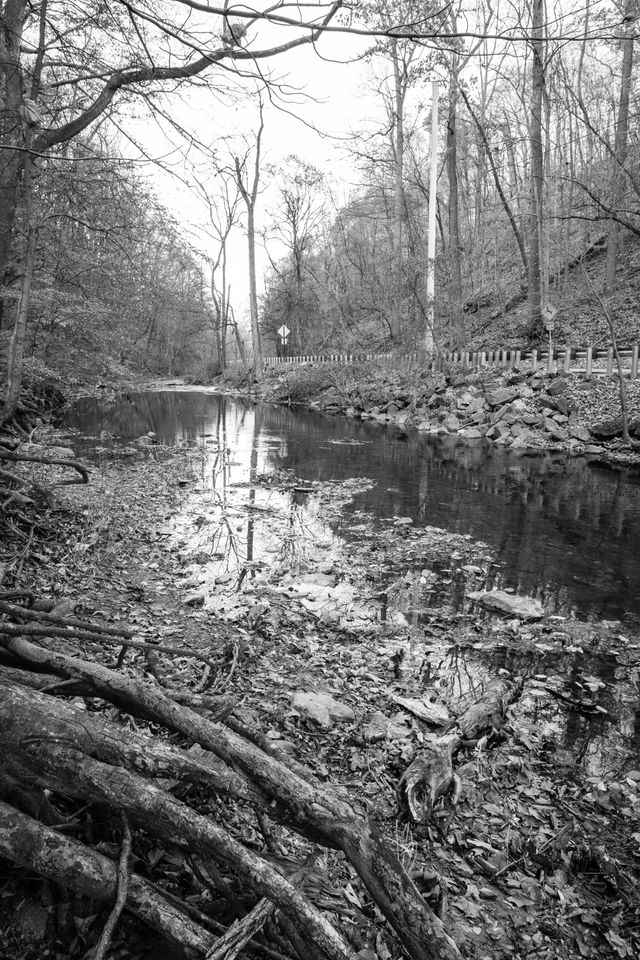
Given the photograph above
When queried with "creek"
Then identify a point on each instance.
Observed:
(278, 502)
(564, 530)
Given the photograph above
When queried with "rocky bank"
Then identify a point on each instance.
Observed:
(519, 409)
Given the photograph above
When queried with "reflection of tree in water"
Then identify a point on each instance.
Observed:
(566, 531)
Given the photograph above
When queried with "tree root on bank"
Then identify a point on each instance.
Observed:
(51, 748)
(430, 775)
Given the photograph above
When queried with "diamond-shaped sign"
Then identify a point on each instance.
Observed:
(284, 331)
(549, 312)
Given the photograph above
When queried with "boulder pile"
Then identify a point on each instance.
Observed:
(516, 409)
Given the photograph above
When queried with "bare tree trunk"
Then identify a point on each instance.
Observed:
(537, 170)
(249, 195)
(11, 129)
(457, 324)
(253, 293)
(398, 193)
(18, 336)
(621, 143)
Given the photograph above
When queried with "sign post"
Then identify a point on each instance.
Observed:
(283, 333)
(548, 314)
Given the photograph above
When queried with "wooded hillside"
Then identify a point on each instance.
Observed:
(534, 150)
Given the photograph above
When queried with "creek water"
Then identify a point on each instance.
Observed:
(566, 531)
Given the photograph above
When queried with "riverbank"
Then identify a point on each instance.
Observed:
(537, 856)
(518, 409)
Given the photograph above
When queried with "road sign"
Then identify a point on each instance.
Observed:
(549, 312)
(284, 331)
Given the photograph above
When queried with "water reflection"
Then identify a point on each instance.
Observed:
(564, 530)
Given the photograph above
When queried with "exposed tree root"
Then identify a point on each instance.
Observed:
(51, 745)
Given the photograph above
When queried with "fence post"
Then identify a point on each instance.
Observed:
(534, 360)
(634, 362)
(518, 357)
(609, 361)
(589, 362)
(550, 360)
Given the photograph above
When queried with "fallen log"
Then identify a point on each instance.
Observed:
(66, 770)
(310, 807)
(30, 844)
(39, 715)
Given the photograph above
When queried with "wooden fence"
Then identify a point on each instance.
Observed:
(588, 360)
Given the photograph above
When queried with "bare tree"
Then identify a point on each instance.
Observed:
(249, 191)
(155, 50)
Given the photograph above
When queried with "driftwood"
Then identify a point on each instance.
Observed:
(300, 802)
(430, 775)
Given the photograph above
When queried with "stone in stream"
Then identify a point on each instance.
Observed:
(525, 608)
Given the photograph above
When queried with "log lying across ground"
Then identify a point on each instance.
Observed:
(52, 747)
(51, 744)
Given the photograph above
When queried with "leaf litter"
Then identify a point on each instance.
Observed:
(369, 623)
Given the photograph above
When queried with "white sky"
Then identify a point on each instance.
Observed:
(336, 98)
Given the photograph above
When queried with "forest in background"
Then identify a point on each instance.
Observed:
(537, 178)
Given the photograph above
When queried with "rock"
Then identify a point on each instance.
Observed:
(525, 608)
(578, 432)
(195, 599)
(499, 396)
(554, 429)
(470, 433)
(607, 429)
(451, 423)
(322, 708)
(476, 404)
(556, 387)
(381, 727)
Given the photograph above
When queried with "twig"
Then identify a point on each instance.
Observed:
(121, 898)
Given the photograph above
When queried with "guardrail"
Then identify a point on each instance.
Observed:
(588, 360)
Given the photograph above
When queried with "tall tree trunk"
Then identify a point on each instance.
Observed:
(253, 293)
(621, 143)
(12, 20)
(19, 333)
(537, 170)
(398, 192)
(457, 324)
(249, 195)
